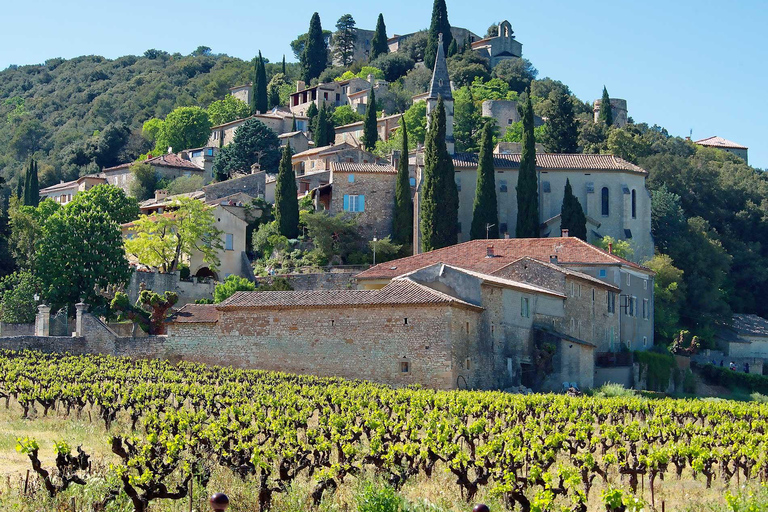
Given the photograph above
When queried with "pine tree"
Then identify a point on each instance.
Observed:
(370, 131)
(402, 223)
(562, 134)
(286, 197)
(527, 182)
(440, 197)
(572, 215)
(439, 25)
(31, 187)
(606, 114)
(260, 98)
(344, 39)
(485, 211)
(315, 56)
(321, 128)
(379, 44)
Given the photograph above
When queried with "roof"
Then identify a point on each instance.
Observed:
(440, 86)
(362, 168)
(403, 292)
(472, 255)
(166, 160)
(156, 203)
(333, 148)
(196, 314)
(361, 123)
(563, 270)
(552, 161)
(549, 330)
(750, 325)
(719, 142)
(68, 184)
(290, 134)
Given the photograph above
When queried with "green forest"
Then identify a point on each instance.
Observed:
(710, 209)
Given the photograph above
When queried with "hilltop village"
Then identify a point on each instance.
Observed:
(489, 231)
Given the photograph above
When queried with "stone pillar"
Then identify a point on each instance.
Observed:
(43, 320)
(80, 308)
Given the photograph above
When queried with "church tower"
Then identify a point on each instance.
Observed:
(440, 87)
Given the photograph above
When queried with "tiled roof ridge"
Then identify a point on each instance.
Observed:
(564, 270)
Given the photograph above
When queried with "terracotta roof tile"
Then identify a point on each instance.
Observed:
(562, 270)
(196, 314)
(473, 256)
(719, 142)
(400, 292)
(362, 168)
(750, 325)
(552, 161)
(166, 160)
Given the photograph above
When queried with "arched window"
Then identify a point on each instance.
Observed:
(604, 199)
(634, 204)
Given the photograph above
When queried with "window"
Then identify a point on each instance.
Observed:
(525, 310)
(611, 302)
(325, 95)
(629, 344)
(468, 364)
(405, 321)
(645, 341)
(503, 227)
(645, 284)
(351, 178)
(579, 290)
(405, 367)
(209, 151)
(573, 290)
(458, 184)
(509, 121)
(629, 279)
(601, 273)
(467, 327)
(229, 242)
(604, 199)
(634, 204)
(593, 296)
(646, 309)
(354, 203)
(338, 97)
(632, 306)
(502, 185)
(412, 181)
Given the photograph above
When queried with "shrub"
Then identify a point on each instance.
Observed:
(612, 390)
(373, 498)
(730, 379)
(657, 369)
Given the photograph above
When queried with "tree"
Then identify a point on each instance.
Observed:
(6, 260)
(620, 248)
(149, 312)
(112, 139)
(17, 297)
(439, 25)
(344, 39)
(107, 198)
(300, 43)
(232, 284)
(185, 185)
(279, 90)
(314, 58)
(440, 196)
(26, 223)
(227, 110)
(393, 65)
(485, 211)
(286, 197)
(345, 115)
(321, 133)
(606, 113)
(260, 99)
(453, 49)
(166, 240)
(253, 143)
(572, 215)
(517, 73)
(312, 112)
(370, 129)
(467, 125)
(184, 128)
(283, 69)
(402, 222)
(379, 44)
(562, 134)
(527, 181)
(27, 137)
(202, 51)
(31, 187)
(144, 181)
(668, 296)
(80, 253)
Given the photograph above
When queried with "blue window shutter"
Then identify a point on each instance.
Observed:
(346, 203)
(361, 203)
(351, 178)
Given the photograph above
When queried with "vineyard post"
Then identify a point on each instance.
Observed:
(73, 504)
(26, 481)
(190, 494)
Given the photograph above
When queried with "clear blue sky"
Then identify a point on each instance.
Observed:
(685, 65)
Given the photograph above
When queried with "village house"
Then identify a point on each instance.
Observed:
(627, 293)
(353, 133)
(279, 120)
(726, 145)
(335, 94)
(197, 162)
(64, 192)
(439, 326)
(319, 159)
(746, 337)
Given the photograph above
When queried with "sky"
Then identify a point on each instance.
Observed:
(688, 66)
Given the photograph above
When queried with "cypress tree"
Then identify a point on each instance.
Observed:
(527, 182)
(370, 132)
(315, 56)
(402, 222)
(379, 44)
(261, 101)
(283, 63)
(453, 49)
(440, 197)
(439, 25)
(562, 135)
(293, 124)
(286, 197)
(485, 211)
(321, 128)
(572, 215)
(311, 117)
(606, 114)
(19, 190)
(31, 187)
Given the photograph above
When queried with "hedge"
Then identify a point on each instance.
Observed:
(750, 382)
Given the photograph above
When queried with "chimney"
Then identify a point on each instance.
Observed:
(160, 195)
(564, 233)
(395, 160)
(371, 79)
(300, 85)
(553, 259)
(610, 247)
(489, 252)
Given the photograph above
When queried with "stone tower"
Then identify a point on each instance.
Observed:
(619, 110)
(440, 87)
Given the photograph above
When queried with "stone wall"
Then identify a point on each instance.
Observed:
(379, 191)
(318, 281)
(17, 329)
(252, 184)
(188, 291)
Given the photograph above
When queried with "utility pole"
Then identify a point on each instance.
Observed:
(374, 248)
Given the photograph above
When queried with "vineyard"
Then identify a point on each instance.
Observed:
(171, 428)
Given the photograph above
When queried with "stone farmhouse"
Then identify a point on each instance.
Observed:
(279, 120)
(64, 192)
(624, 294)
(190, 162)
(353, 133)
(726, 145)
(352, 92)
(439, 326)
(746, 337)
